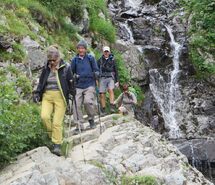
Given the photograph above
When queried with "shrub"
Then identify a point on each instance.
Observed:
(138, 92)
(37, 9)
(25, 84)
(20, 125)
(67, 28)
(124, 76)
(104, 28)
(17, 56)
(101, 26)
(202, 35)
(97, 6)
(66, 7)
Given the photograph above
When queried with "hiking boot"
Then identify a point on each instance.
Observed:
(92, 124)
(103, 112)
(112, 108)
(57, 149)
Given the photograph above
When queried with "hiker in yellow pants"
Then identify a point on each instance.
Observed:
(53, 103)
(53, 90)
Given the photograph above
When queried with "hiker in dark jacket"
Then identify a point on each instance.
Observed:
(86, 71)
(53, 90)
(108, 78)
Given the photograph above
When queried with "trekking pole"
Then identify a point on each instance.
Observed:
(79, 126)
(99, 110)
(70, 122)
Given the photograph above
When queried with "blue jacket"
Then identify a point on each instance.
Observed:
(85, 69)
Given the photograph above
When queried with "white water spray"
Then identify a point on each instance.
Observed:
(167, 93)
(128, 33)
(133, 4)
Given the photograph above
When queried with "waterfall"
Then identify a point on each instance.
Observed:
(128, 35)
(192, 155)
(131, 4)
(167, 93)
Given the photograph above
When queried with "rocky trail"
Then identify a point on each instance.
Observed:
(125, 148)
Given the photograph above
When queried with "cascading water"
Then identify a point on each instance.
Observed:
(127, 32)
(167, 93)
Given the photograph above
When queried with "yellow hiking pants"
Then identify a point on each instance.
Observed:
(52, 114)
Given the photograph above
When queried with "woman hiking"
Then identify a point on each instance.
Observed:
(126, 101)
(53, 91)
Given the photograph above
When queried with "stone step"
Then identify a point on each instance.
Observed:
(88, 135)
(68, 131)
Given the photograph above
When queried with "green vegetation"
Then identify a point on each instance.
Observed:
(139, 180)
(18, 55)
(35, 20)
(109, 174)
(202, 35)
(20, 125)
(100, 25)
(73, 8)
(125, 180)
(19, 80)
(124, 76)
(138, 92)
(25, 84)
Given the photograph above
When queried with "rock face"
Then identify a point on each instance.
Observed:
(175, 104)
(145, 29)
(43, 168)
(36, 57)
(200, 153)
(125, 148)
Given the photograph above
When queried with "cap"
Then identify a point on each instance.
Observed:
(82, 43)
(106, 48)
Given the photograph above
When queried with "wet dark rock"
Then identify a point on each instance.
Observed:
(156, 58)
(152, 2)
(200, 153)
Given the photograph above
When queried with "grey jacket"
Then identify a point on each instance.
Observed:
(127, 100)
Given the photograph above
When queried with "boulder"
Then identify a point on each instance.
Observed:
(36, 56)
(134, 61)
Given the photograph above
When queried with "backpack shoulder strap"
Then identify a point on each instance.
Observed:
(75, 61)
(90, 61)
(100, 61)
